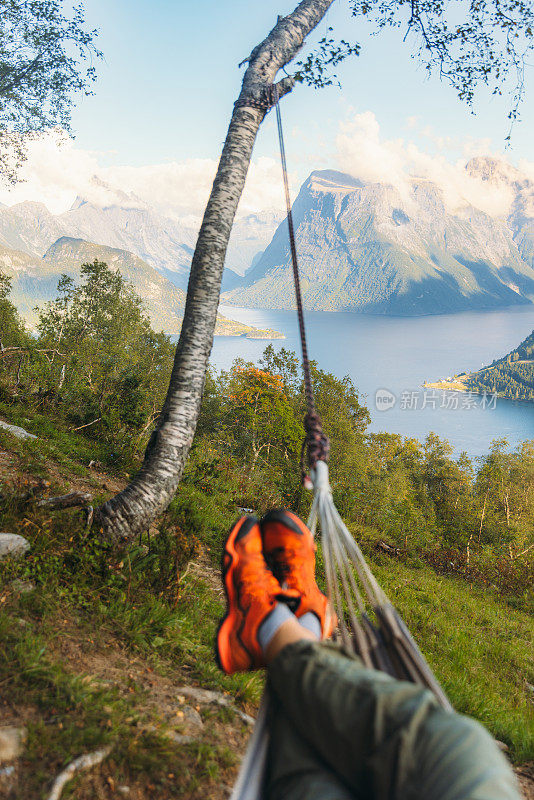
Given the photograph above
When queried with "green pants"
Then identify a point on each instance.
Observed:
(340, 731)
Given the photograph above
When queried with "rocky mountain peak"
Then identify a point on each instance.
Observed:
(329, 180)
(64, 243)
(494, 170)
(382, 248)
(30, 208)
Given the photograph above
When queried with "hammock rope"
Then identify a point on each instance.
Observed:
(368, 624)
(316, 442)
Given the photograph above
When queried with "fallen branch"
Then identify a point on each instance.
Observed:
(213, 698)
(186, 573)
(387, 548)
(82, 762)
(66, 500)
(522, 553)
(87, 424)
(13, 349)
(89, 518)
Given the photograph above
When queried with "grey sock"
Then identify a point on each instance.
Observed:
(311, 623)
(269, 626)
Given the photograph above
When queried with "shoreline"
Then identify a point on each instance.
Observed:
(458, 385)
(453, 385)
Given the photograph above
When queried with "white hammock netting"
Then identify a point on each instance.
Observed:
(368, 624)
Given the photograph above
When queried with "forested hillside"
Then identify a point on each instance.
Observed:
(34, 281)
(108, 645)
(97, 365)
(511, 377)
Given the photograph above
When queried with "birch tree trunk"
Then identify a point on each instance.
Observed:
(149, 493)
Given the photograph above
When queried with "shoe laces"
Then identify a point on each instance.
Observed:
(286, 562)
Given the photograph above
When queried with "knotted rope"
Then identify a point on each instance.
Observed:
(316, 443)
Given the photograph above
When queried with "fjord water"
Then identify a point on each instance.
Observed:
(398, 354)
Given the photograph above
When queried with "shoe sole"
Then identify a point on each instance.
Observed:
(286, 518)
(228, 623)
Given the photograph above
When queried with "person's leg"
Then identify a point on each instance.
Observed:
(294, 769)
(382, 738)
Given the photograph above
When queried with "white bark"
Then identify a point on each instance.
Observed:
(82, 762)
(149, 493)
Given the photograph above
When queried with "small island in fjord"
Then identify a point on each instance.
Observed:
(511, 377)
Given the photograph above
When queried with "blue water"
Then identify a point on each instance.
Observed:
(398, 354)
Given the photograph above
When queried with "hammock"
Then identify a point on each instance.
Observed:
(369, 625)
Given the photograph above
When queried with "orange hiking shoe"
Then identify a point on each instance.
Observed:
(252, 592)
(289, 550)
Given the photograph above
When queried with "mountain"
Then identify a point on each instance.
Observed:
(376, 248)
(31, 282)
(34, 281)
(131, 225)
(127, 223)
(511, 376)
(164, 302)
(230, 280)
(29, 227)
(250, 236)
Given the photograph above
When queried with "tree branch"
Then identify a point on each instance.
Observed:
(6, 88)
(82, 762)
(66, 500)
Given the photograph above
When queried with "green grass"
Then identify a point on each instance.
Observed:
(480, 649)
(73, 715)
(56, 441)
(146, 602)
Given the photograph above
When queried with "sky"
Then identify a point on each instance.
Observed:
(164, 95)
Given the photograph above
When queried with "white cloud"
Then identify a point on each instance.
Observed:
(364, 154)
(53, 174)
(182, 188)
(57, 171)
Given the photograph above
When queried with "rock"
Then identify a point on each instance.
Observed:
(8, 782)
(180, 738)
(11, 742)
(22, 587)
(190, 720)
(208, 697)
(13, 545)
(20, 433)
(124, 790)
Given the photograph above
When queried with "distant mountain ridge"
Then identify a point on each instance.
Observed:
(370, 247)
(34, 282)
(363, 246)
(130, 224)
